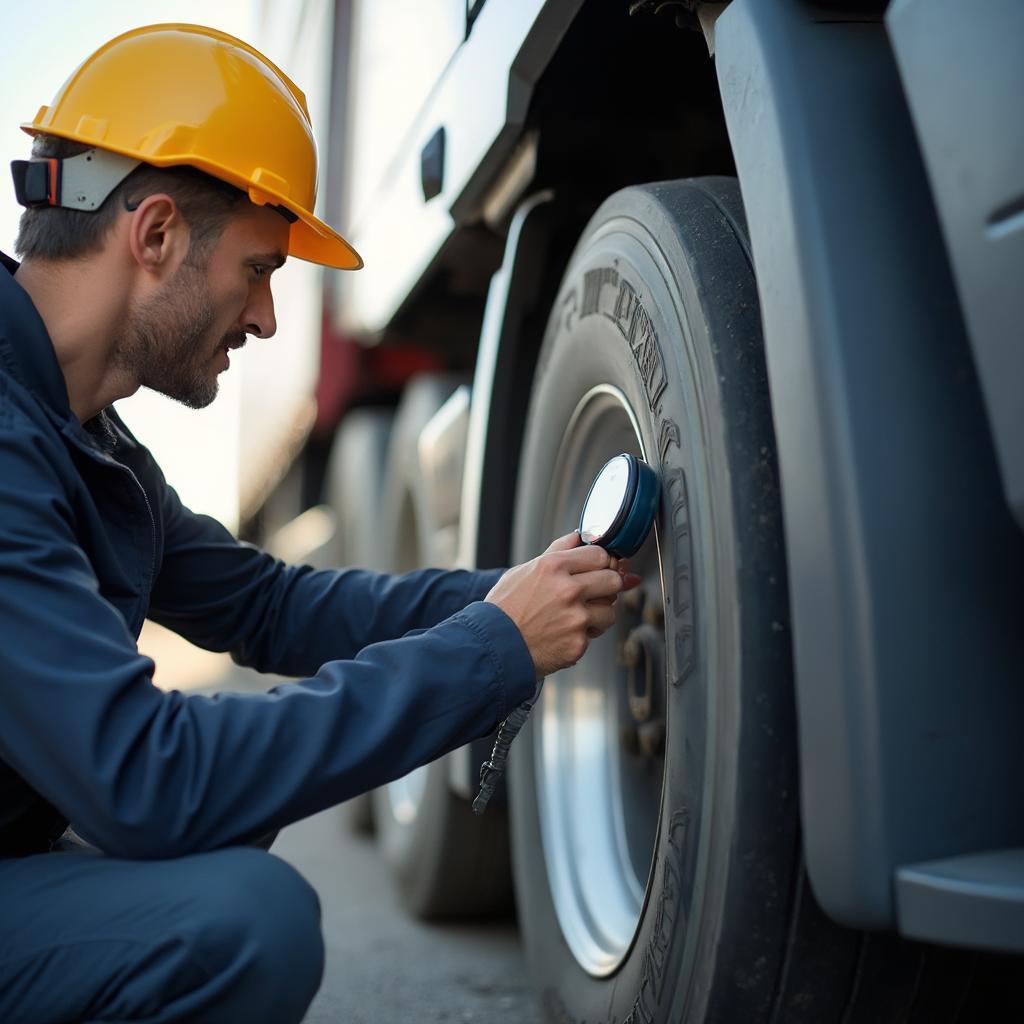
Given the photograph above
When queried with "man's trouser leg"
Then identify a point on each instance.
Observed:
(230, 936)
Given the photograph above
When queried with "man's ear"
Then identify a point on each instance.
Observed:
(158, 236)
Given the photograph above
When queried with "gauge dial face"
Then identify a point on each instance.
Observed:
(604, 503)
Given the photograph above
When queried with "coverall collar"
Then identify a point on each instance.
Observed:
(32, 362)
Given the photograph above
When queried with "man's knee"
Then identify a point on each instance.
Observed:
(260, 934)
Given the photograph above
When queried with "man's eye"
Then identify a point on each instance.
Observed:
(259, 270)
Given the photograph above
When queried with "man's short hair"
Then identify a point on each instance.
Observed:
(56, 233)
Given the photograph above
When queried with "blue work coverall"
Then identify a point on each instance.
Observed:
(178, 919)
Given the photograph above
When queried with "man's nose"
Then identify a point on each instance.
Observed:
(259, 315)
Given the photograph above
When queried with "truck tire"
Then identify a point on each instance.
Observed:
(354, 486)
(655, 822)
(447, 863)
(353, 490)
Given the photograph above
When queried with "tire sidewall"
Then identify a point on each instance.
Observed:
(405, 845)
(354, 486)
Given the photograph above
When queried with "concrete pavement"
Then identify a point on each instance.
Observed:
(383, 967)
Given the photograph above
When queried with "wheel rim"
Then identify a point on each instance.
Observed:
(405, 795)
(598, 797)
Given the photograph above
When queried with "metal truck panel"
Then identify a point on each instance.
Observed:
(972, 136)
(399, 50)
(904, 561)
(481, 101)
(277, 379)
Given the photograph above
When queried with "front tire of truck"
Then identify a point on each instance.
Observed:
(654, 794)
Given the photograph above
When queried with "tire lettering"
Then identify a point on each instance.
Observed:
(593, 285)
(627, 312)
(669, 434)
(644, 342)
(624, 303)
(668, 924)
(569, 306)
(641, 1014)
(674, 487)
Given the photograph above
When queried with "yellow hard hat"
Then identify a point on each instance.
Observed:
(185, 94)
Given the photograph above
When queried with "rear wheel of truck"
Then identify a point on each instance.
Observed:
(655, 820)
(446, 862)
(354, 486)
(353, 490)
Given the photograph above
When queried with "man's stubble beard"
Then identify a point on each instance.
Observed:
(166, 344)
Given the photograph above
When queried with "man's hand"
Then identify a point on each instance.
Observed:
(562, 599)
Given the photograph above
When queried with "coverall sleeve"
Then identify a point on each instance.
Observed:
(229, 596)
(144, 773)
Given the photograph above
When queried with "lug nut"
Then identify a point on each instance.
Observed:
(651, 738)
(631, 652)
(629, 739)
(654, 611)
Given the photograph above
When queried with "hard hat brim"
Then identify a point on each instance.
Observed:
(312, 240)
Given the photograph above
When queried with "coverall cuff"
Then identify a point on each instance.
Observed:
(514, 669)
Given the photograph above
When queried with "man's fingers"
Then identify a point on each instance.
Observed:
(586, 558)
(601, 617)
(600, 583)
(570, 540)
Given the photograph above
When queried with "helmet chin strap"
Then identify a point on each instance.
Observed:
(75, 183)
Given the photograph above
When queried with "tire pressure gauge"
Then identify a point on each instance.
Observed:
(617, 515)
(620, 507)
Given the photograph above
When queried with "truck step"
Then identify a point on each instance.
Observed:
(976, 899)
